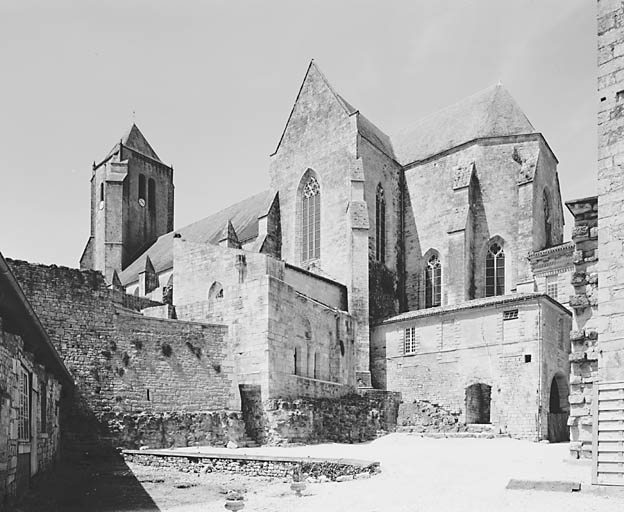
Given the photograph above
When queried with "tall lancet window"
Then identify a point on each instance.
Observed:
(495, 271)
(547, 220)
(433, 282)
(380, 225)
(311, 220)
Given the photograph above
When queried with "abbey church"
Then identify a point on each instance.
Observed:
(430, 263)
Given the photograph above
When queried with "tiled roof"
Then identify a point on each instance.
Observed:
(243, 215)
(489, 113)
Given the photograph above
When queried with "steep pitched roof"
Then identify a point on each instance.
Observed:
(134, 139)
(365, 127)
(489, 113)
(243, 216)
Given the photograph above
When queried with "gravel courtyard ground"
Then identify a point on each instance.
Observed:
(418, 475)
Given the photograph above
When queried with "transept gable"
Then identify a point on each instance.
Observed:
(316, 102)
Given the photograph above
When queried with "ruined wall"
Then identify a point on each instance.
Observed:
(39, 449)
(610, 189)
(585, 354)
(459, 347)
(124, 363)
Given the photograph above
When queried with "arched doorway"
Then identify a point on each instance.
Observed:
(478, 397)
(558, 410)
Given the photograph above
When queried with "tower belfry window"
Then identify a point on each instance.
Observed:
(311, 220)
(547, 219)
(101, 193)
(380, 225)
(142, 195)
(495, 271)
(151, 194)
(433, 282)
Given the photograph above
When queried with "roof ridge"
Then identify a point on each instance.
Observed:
(435, 113)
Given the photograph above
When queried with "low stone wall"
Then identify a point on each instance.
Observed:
(425, 417)
(175, 429)
(349, 419)
(253, 465)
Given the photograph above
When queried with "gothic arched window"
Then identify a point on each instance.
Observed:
(495, 270)
(216, 291)
(380, 225)
(433, 282)
(547, 219)
(311, 220)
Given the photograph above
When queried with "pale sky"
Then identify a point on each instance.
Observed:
(212, 84)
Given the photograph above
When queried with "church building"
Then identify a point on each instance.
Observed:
(410, 263)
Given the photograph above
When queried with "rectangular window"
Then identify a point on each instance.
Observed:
(44, 407)
(409, 342)
(552, 288)
(23, 425)
(510, 314)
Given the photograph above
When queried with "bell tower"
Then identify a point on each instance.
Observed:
(131, 204)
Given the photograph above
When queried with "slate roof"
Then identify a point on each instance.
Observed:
(134, 139)
(489, 113)
(243, 215)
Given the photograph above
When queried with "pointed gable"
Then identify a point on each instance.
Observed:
(490, 113)
(228, 236)
(316, 99)
(134, 139)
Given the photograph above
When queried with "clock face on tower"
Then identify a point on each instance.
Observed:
(141, 202)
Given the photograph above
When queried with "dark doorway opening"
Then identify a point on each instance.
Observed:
(558, 410)
(252, 411)
(478, 398)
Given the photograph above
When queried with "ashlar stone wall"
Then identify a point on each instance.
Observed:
(515, 345)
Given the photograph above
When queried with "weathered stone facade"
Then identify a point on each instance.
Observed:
(31, 380)
(584, 336)
(513, 346)
(610, 191)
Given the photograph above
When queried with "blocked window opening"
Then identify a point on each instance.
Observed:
(478, 398)
(316, 366)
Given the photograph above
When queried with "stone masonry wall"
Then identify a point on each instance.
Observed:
(611, 189)
(124, 364)
(584, 336)
(457, 348)
(42, 446)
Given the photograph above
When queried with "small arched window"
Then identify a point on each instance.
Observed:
(433, 282)
(216, 291)
(495, 270)
(151, 194)
(141, 187)
(101, 192)
(547, 219)
(311, 220)
(380, 224)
